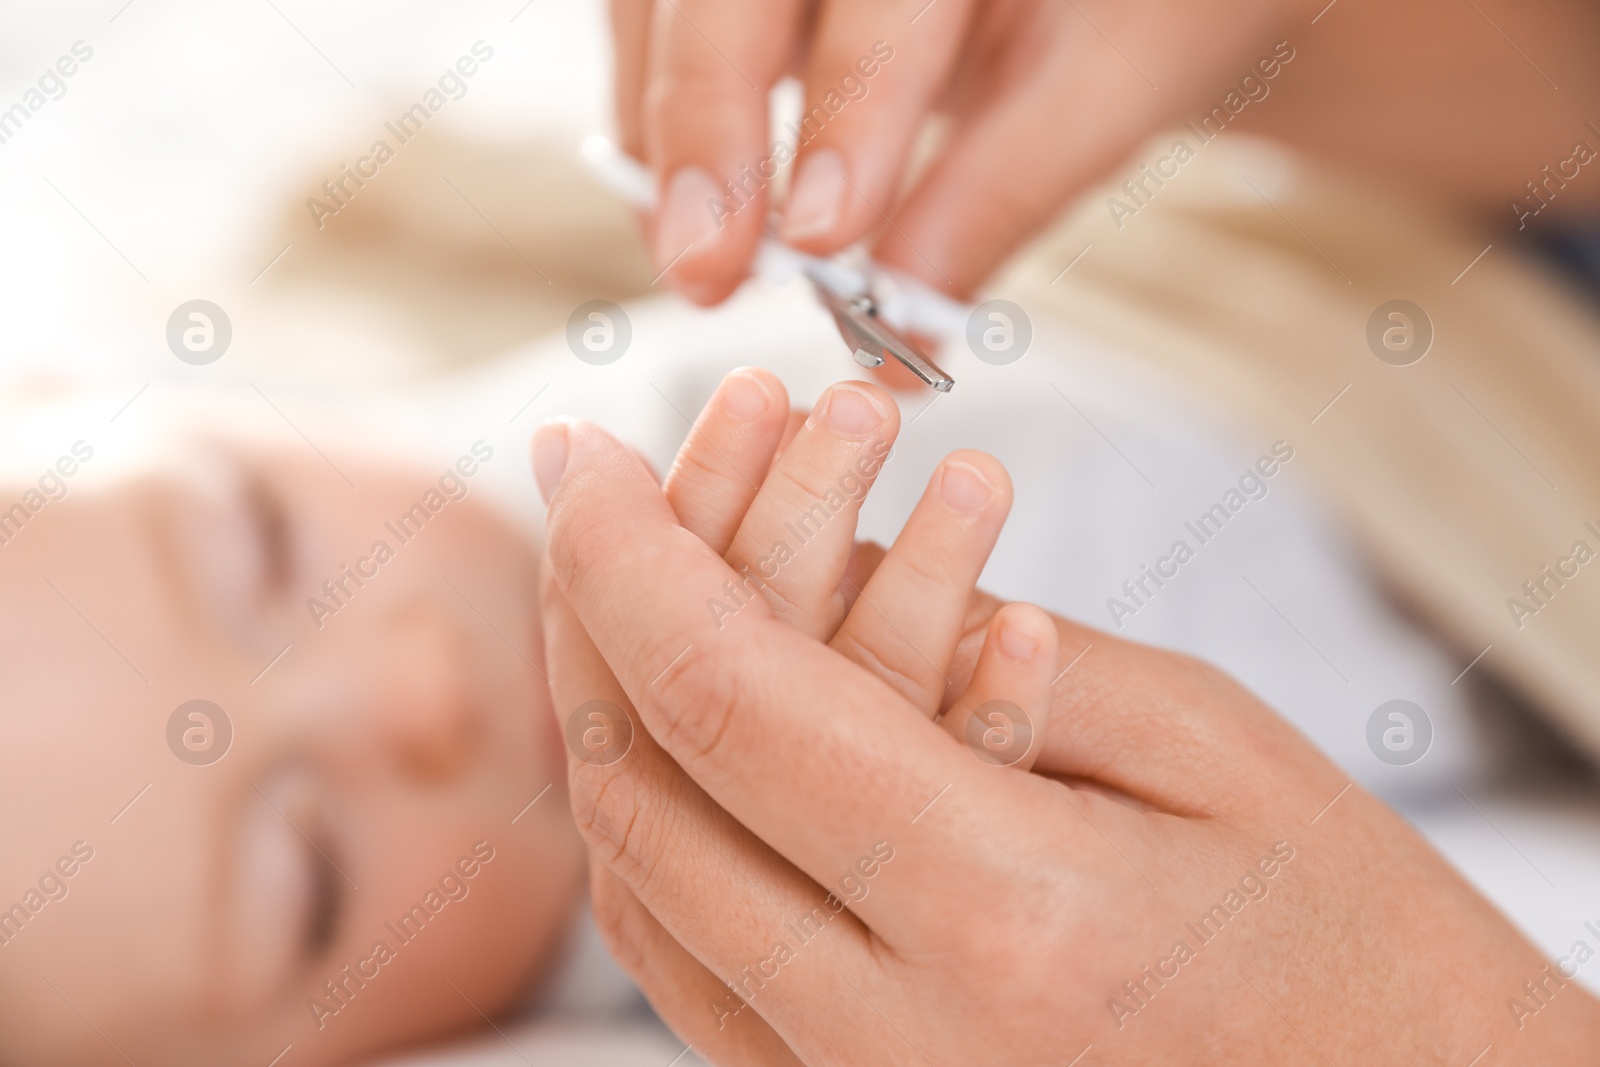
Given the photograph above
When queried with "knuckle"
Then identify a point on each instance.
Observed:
(687, 85)
(911, 678)
(925, 571)
(613, 816)
(789, 604)
(800, 484)
(795, 594)
(704, 474)
(693, 700)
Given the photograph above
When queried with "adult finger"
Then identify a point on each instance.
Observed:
(735, 704)
(1004, 715)
(910, 616)
(725, 458)
(694, 1002)
(874, 70)
(630, 35)
(711, 66)
(968, 212)
(751, 912)
(657, 830)
(797, 537)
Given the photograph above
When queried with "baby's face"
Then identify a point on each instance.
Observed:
(367, 823)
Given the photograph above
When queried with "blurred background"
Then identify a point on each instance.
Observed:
(178, 163)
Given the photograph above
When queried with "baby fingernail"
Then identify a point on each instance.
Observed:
(686, 221)
(964, 488)
(549, 457)
(852, 411)
(746, 395)
(1017, 644)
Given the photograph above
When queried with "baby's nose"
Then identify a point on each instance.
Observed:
(427, 714)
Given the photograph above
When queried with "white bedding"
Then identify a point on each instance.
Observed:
(561, 1044)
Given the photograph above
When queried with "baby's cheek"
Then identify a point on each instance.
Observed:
(548, 738)
(520, 907)
(491, 921)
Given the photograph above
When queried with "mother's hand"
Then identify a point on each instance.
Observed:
(1045, 98)
(1182, 878)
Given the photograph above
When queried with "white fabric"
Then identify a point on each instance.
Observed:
(560, 1044)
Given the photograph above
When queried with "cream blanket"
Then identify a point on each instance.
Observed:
(1471, 477)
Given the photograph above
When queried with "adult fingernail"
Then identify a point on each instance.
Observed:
(964, 487)
(818, 196)
(549, 457)
(852, 411)
(1016, 643)
(746, 395)
(686, 220)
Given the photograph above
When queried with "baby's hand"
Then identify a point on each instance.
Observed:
(779, 498)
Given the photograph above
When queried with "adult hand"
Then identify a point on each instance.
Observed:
(1046, 96)
(1181, 878)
